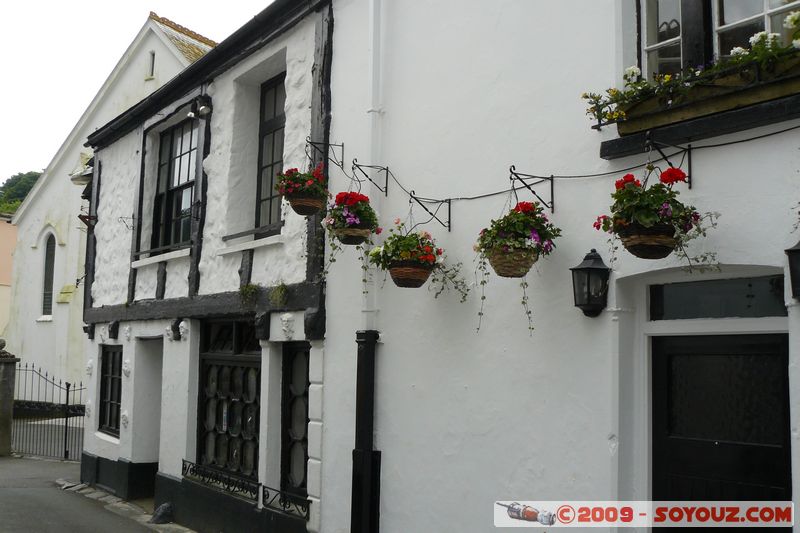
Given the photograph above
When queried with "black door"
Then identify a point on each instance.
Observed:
(721, 418)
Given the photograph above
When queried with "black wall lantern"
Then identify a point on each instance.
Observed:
(590, 284)
(794, 269)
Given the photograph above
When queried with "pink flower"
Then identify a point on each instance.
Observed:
(378, 230)
(397, 221)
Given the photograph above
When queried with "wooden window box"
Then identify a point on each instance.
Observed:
(730, 90)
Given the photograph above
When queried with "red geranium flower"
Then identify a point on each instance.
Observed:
(525, 207)
(672, 175)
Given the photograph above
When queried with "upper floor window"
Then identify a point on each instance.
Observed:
(49, 269)
(270, 151)
(737, 20)
(177, 165)
(677, 34)
(663, 36)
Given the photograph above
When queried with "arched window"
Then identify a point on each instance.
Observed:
(49, 265)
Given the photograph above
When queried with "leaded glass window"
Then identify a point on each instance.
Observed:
(294, 422)
(230, 399)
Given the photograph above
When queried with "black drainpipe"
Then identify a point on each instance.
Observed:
(365, 502)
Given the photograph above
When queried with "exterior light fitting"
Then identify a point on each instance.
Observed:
(590, 284)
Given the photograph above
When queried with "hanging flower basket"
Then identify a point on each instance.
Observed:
(511, 245)
(514, 263)
(351, 219)
(353, 235)
(410, 274)
(305, 191)
(655, 242)
(514, 243)
(305, 205)
(412, 258)
(650, 221)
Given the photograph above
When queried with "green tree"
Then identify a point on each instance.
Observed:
(14, 190)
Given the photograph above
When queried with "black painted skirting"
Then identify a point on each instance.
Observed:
(208, 510)
(123, 478)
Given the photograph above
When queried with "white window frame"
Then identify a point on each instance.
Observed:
(766, 14)
(646, 49)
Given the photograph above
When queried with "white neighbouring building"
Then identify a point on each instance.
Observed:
(226, 402)
(47, 288)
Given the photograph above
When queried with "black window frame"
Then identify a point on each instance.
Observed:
(165, 222)
(269, 126)
(49, 273)
(244, 351)
(110, 398)
(288, 396)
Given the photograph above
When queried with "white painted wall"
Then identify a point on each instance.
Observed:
(57, 344)
(465, 418)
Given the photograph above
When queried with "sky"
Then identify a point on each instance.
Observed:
(55, 55)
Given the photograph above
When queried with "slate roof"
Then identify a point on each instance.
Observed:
(192, 45)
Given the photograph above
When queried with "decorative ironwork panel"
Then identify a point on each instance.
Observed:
(227, 482)
(285, 502)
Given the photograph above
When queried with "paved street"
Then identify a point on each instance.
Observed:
(30, 501)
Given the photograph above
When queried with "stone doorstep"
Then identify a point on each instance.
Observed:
(118, 506)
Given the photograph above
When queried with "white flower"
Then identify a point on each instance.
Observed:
(796, 43)
(792, 20)
(757, 37)
(738, 51)
(774, 38)
(633, 72)
(439, 259)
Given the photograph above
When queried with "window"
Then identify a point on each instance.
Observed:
(110, 389)
(677, 34)
(294, 420)
(270, 152)
(739, 297)
(663, 36)
(230, 390)
(737, 20)
(49, 266)
(177, 165)
(152, 70)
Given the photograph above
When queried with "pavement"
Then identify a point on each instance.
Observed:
(44, 496)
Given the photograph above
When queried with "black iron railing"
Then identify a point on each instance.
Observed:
(227, 482)
(48, 415)
(285, 502)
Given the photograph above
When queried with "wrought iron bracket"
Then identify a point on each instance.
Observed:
(385, 170)
(650, 143)
(528, 181)
(319, 148)
(129, 222)
(89, 220)
(435, 213)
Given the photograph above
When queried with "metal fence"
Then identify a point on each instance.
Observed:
(48, 415)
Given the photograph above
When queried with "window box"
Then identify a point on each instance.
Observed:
(730, 90)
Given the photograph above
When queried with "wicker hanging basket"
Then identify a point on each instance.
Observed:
(512, 264)
(409, 274)
(655, 242)
(352, 235)
(305, 205)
